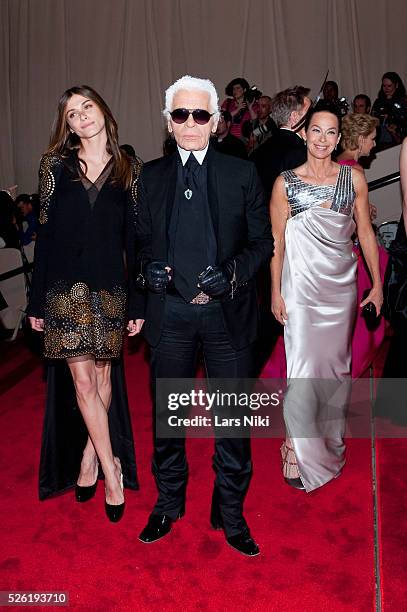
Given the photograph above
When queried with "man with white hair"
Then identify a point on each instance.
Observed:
(203, 232)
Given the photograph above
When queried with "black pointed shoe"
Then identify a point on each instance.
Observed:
(84, 494)
(158, 526)
(244, 543)
(296, 483)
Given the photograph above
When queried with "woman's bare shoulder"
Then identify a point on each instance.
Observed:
(358, 177)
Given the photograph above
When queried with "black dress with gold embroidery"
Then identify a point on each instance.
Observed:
(79, 283)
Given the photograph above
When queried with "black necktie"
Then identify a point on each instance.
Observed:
(190, 171)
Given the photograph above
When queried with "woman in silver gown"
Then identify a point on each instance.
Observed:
(314, 212)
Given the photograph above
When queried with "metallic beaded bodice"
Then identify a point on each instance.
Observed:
(302, 196)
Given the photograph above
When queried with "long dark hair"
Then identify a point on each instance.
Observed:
(62, 140)
(396, 79)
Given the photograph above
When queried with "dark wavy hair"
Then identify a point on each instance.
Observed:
(396, 79)
(63, 141)
(238, 81)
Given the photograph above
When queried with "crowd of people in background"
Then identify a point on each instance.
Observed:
(246, 123)
(248, 115)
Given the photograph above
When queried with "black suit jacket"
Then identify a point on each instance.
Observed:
(241, 223)
(284, 151)
(230, 145)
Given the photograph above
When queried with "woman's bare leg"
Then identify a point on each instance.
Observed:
(89, 465)
(95, 416)
(103, 375)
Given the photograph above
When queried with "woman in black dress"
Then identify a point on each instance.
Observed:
(79, 290)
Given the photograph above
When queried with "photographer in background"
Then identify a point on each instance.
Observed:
(258, 130)
(241, 104)
(331, 95)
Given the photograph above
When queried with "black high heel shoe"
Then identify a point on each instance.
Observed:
(115, 512)
(84, 494)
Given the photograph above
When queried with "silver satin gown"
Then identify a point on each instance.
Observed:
(319, 289)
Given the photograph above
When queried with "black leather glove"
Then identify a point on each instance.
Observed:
(156, 276)
(217, 281)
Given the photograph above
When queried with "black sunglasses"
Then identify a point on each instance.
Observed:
(201, 117)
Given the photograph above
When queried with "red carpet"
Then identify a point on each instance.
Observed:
(317, 549)
(392, 461)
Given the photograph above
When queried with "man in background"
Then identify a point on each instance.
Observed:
(286, 149)
(361, 104)
(262, 128)
(28, 221)
(224, 141)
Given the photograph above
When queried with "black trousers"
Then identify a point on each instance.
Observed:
(187, 328)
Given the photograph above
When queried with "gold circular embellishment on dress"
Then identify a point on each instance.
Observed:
(46, 189)
(53, 343)
(84, 316)
(111, 304)
(114, 341)
(60, 304)
(86, 334)
(43, 218)
(80, 292)
(71, 340)
(99, 334)
(134, 187)
(47, 184)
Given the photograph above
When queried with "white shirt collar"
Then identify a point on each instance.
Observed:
(199, 155)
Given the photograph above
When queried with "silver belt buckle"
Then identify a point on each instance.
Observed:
(201, 298)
